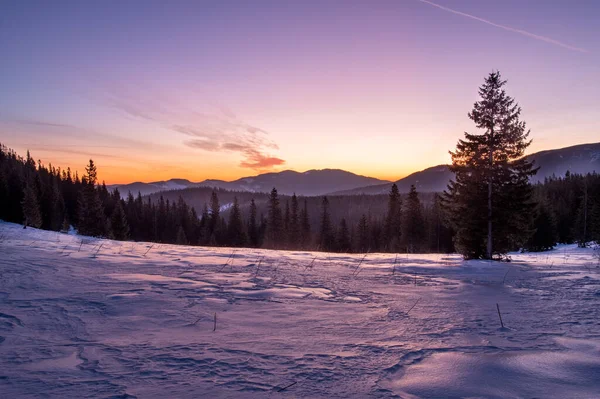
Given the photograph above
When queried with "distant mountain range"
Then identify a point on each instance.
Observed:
(582, 158)
(309, 183)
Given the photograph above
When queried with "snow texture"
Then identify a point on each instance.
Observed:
(83, 317)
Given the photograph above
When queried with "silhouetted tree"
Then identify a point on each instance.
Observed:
(274, 222)
(31, 207)
(343, 237)
(326, 233)
(181, 237)
(237, 234)
(253, 227)
(544, 224)
(118, 223)
(393, 220)
(489, 201)
(363, 235)
(413, 223)
(92, 221)
(304, 227)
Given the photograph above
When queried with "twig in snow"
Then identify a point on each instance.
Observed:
(196, 322)
(394, 268)
(355, 273)
(310, 264)
(258, 267)
(411, 308)
(98, 250)
(215, 326)
(146, 253)
(287, 386)
(499, 315)
(226, 263)
(505, 274)
(80, 245)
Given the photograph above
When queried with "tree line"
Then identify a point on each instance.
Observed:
(565, 210)
(488, 209)
(54, 199)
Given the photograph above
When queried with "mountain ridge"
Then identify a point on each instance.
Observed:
(310, 182)
(580, 158)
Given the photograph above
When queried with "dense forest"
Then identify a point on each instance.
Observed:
(567, 210)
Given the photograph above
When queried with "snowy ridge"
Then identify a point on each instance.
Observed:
(83, 317)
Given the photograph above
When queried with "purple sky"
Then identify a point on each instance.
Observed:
(224, 89)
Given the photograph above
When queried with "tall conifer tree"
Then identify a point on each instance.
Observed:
(489, 201)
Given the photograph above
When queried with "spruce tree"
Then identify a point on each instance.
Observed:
(544, 224)
(91, 221)
(413, 223)
(363, 235)
(118, 223)
(393, 220)
(181, 237)
(343, 237)
(274, 221)
(489, 201)
(294, 224)
(235, 227)
(326, 234)
(305, 227)
(583, 227)
(253, 227)
(215, 214)
(286, 225)
(31, 207)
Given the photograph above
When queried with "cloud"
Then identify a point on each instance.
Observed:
(203, 145)
(260, 162)
(508, 28)
(215, 128)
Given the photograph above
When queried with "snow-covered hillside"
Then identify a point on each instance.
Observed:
(81, 317)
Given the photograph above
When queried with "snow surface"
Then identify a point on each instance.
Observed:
(83, 317)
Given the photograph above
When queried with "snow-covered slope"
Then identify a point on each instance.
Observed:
(82, 317)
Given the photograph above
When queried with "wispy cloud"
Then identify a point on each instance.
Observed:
(214, 128)
(508, 28)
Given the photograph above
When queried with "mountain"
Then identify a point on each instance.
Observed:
(150, 188)
(312, 182)
(583, 158)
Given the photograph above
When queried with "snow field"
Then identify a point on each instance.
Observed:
(82, 317)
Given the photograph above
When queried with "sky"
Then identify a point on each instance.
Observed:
(153, 90)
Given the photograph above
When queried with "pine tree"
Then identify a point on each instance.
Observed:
(181, 237)
(363, 235)
(253, 227)
(393, 220)
(545, 234)
(118, 223)
(274, 221)
(92, 221)
(326, 234)
(413, 223)
(583, 227)
(343, 237)
(215, 214)
(236, 233)
(294, 224)
(305, 229)
(489, 201)
(286, 225)
(31, 207)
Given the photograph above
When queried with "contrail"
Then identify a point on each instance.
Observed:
(508, 28)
